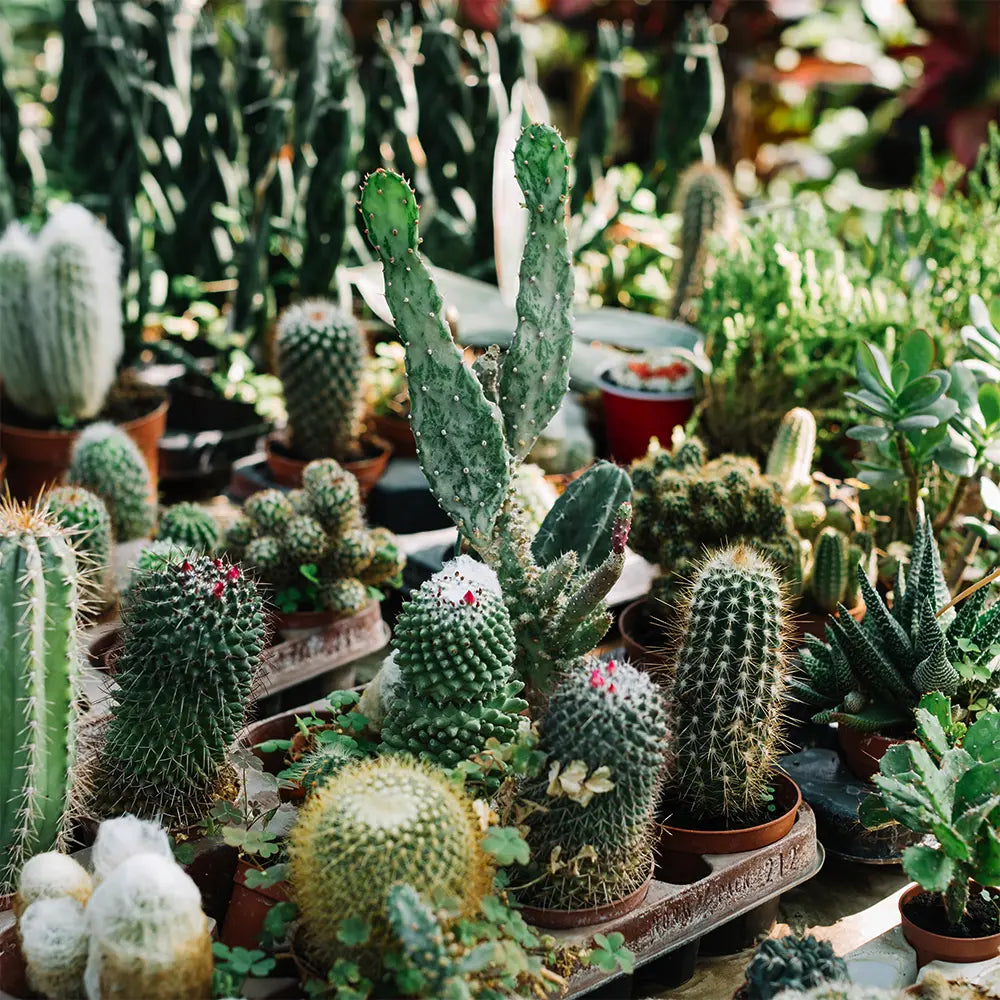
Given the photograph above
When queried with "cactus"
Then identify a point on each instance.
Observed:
(320, 360)
(193, 635)
(155, 555)
(604, 733)
(419, 931)
(792, 963)
(123, 837)
(148, 935)
(316, 767)
(39, 605)
(269, 511)
(374, 824)
(790, 458)
(107, 462)
(728, 689)
(52, 876)
(533, 493)
(54, 942)
(86, 517)
(830, 570)
(841, 991)
(191, 526)
(455, 649)
(709, 211)
(344, 597)
(387, 560)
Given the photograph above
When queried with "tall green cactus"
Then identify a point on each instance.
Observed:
(790, 458)
(830, 571)
(39, 602)
(728, 689)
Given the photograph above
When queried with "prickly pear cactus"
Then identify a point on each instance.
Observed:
(791, 963)
(790, 458)
(191, 526)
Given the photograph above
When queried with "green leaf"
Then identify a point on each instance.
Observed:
(872, 813)
(871, 362)
(264, 879)
(900, 375)
(878, 405)
(868, 432)
(918, 422)
(932, 868)
(982, 741)
(270, 746)
(990, 494)
(354, 931)
(920, 393)
(989, 403)
(507, 846)
(918, 353)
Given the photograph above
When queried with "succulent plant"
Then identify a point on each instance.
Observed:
(728, 689)
(84, 515)
(52, 875)
(269, 511)
(792, 963)
(315, 768)
(373, 825)
(533, 493)
(54, 942)
(840, 991)
(123, 837)
(191, 526)
(107, 462)
(155, 555)
(193, 635)
(39, 605)
(320, 359)
(604, 733)
(790, 458)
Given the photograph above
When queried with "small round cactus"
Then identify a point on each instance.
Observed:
(238, 536)
(387, 561)
(792, 963)
(790, 458)
(334, 496)
(345, 597)
(52, 876)
(192, 526)
(122, 837)
(269, 511)
(85, 515)
(54, 943)
(304, 540)
(157, 554)
(352, 553)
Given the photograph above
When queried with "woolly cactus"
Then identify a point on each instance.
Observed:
(191, 526)
(52, 876)
(54, 942)
(84, 515)
(193, 635)
(320, 361)
(455, 649)
(792, 963)
(39, 605)
(728, 689)
(790, 458)
(375, 824)
(123, 837)
(107, 462)
(841, 991)
(604, 733)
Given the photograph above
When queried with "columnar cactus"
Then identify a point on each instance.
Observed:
(321, 364)
(373, 825)
(84, 515)
(193, 635)
(39, 604)
(830, 571)
(604, 732)
(728, 689)
(790, 458)
(455, 649)
(792, 963)
(107, 462)
(191, 526)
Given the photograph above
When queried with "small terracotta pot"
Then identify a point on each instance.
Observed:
(814, 623)
(565, 919)
(939, 947)
(396, 430)
(863, 751)
(629, 622)
(248, 908)
(678, 840)
(287, 471)
(38, 459)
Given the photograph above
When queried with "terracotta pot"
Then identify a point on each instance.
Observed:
(863, 751)
(396, 430)
(678, 840)
(629, 623)
(13, 975)
(40, 458)
(248, 908)
(932, 947)
(814, 623)
(287, 471)
(565, 919)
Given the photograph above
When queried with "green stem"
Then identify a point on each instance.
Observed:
(945, 518)
(912, 477)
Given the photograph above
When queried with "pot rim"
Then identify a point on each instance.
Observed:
(914, 890)
(649, 395)
(27, 433)
(277, 437)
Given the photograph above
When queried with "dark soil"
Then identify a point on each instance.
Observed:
(981, 919)
(127, 401)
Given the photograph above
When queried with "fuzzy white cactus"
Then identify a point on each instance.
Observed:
(54, 942)
(52, 876)
(122, 838)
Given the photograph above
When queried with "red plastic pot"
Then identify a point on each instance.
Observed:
(932, 947)
(634, 416)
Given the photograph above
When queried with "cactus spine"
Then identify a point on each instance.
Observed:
(791, 455)
(84, 515)
(320, 360)
(39, 604)
(728, 689)
(190, 526)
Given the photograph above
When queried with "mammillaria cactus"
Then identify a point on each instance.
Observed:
(455, 649)
(320, 360)
(86, 517)
(604, 733)
(54, 943)
(792, 963)
(193, 635)
(107, 462)
(39, 605)
(728, 689)
(62, 295)
(375, 824)
(191, 526)
(790, 458)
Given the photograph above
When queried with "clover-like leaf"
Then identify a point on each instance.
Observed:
(507, 846)
(354, 931)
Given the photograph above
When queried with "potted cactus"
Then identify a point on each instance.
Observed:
(790, 963)
(60, 310)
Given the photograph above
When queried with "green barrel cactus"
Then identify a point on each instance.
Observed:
(84, 515)
(269, 511)
(193, 636)
(790, 458)
(320, 360)
(107, 462)
(792, 963)
(344, 597)
(39, 604)
(728, 690)
(157, 554)
(191, 526)
(604, 732)
(373, 825)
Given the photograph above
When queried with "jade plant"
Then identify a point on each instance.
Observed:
(39, 607)
(474, 426)
(792, 963)
(84, 515)
(945, 784)
(191, 526)
(728, 690)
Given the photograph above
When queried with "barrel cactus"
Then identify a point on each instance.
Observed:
(39, 607)
(191, 526)
(107, 462)
(792, 963)
(84, 515)
(728, 690)
(320, 360)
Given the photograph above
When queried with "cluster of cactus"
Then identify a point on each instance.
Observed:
(373, 825)
(322, 525)
(320, 360)
(871, 676)
(193, 635)
(474, 426)
(454, 647)
(191, 526)
(685, 505)
(107, 462)
(39, 604)
(792, 963)
(60, 311)
(84, 515)
(728, 689)
(604, 733)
